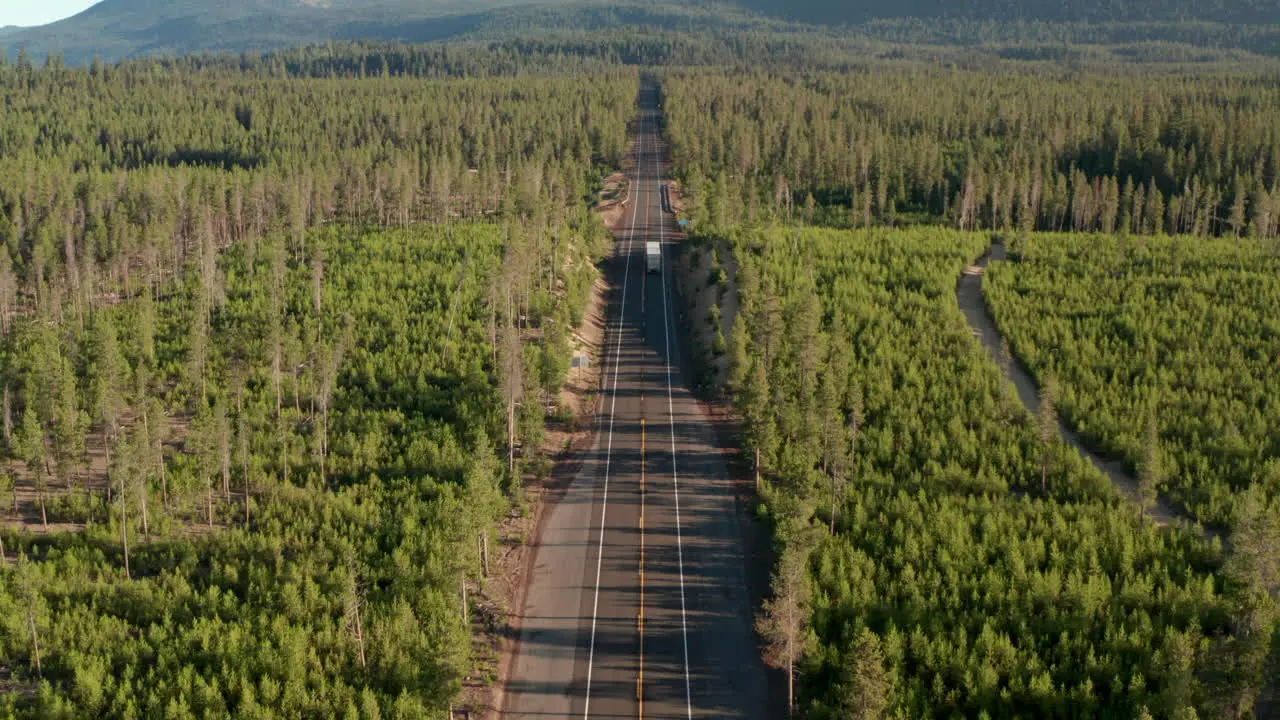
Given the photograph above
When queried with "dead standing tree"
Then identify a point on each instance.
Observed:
(330, 363)
(511, 365)
(784, 623)
(353, 606)
(33, 604)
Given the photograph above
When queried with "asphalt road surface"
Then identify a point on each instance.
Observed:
(638, 605)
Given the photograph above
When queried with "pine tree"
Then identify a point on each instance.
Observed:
(762, 432)
(511, 362)
(866, 686)
(69, 422)
(34, 608)
(1255, 562)
(32, 448)
(107, 381)
(784, 622)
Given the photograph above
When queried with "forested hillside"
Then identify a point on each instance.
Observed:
(115, 29)
(118, 29)
(276, 354)
(834, 12)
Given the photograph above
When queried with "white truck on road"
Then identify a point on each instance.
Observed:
(653, 256)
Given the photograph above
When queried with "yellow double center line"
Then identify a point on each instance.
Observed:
(640, 621)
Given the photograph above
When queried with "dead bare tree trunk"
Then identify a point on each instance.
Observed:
(463, 584)
(124, 524)
(242, 433)
(164, 475)
(224, 454)
(275, 374)
(44, 516)
(35, 639)
(353, 601)
(360, 637)
(159, 445)
(835, 485)
(106, 451)
(783, 622)
(284, 449)
(8, 416)
(324, 441)
(512, 369)
(142, 501)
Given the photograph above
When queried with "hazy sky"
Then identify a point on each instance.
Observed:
(39, 12)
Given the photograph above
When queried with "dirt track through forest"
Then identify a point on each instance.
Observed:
(972, 301)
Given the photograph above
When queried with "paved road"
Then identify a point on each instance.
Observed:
(653, 494)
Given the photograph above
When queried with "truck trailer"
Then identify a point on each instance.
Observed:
(653, 256)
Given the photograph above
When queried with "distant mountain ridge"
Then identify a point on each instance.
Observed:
(118, 29)
(842, 12)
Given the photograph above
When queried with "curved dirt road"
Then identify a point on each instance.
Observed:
(973, 303)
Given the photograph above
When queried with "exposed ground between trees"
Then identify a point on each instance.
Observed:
(20, 511)
(707, 286)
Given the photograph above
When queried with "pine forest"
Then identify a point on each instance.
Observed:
(281, 335)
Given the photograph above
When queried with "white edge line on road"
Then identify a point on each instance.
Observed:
(617, 359)
(675, 474)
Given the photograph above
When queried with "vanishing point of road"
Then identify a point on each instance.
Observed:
(637, 605)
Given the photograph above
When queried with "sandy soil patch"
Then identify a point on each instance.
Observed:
(611, 203)
(88, 482)
(675, 197)
(707, 277)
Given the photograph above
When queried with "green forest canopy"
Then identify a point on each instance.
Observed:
(926, 522)
(303, 465)
(237, 357)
